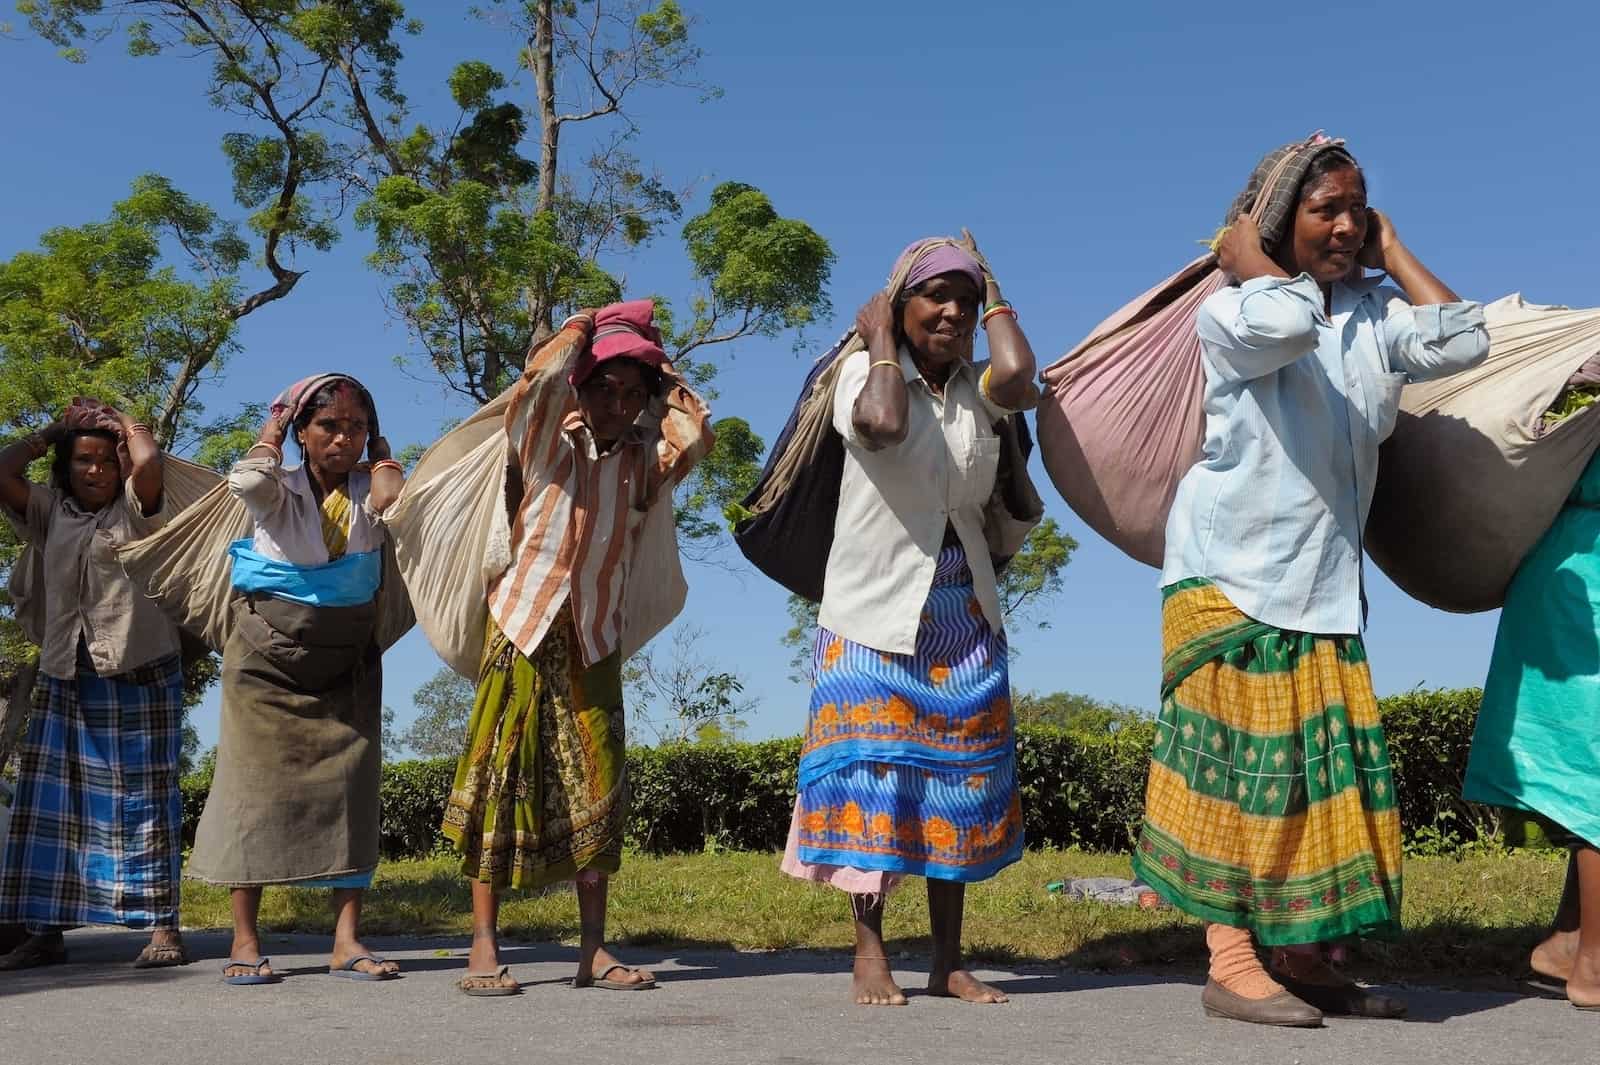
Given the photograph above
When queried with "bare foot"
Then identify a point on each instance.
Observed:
(872, 983)
(602, 960)
(1583, 983)
(342, 955)
(963, 985)
(1553, 958)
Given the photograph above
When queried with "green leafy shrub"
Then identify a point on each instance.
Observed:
(1078, 789)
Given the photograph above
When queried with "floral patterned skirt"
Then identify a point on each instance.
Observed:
(909, 762)
(539, 794)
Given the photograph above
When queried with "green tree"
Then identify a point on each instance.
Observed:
(140, 310)
(485, 227)
(444, 706)
(1081, 714)
(683, 695)
(1029, 581)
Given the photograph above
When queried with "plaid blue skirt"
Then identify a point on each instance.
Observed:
(96, 834)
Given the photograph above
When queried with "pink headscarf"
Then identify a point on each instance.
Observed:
(928, 262)
(292, 400)
(621, 331)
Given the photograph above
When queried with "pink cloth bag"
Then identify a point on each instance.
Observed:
(1122, 418)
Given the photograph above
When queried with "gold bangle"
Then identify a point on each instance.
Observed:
(884, 362)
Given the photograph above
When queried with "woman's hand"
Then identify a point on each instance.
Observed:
(273, 430)
(991, 285)
(875, 320)
(1241, 242)
(1380, 242)
(378, 449)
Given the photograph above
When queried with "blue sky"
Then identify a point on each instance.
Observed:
(1087, 146)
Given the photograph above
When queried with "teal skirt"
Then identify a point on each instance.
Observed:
(1537, 744)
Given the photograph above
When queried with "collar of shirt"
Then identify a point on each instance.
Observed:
(578, 429)
(913, 375)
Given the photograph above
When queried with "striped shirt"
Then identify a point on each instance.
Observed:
(1297, 402)
(576, 529)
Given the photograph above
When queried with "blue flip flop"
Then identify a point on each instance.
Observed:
(349, 971)
(255, 976)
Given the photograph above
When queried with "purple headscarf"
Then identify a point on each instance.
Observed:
(933, 256)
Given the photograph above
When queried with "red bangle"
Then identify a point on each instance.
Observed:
(384, 464)
(999, 308)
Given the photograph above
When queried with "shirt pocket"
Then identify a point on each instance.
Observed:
(983, 462)
(1385, 409)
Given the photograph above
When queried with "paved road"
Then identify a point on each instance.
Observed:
(712, 1008)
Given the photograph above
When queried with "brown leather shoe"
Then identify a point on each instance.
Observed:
(1282, 1009)
(1345, 1000)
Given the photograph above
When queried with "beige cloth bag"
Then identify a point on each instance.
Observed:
(452, 538)
(1471, 479)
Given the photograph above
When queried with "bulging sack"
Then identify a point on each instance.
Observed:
(1122, 418)
(1472, 476)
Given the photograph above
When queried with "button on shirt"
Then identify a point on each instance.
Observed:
(1297, 402)
(894, 504)
(87, 595)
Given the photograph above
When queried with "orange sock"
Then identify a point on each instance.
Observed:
(1234, 964)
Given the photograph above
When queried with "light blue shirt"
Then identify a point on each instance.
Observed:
(1297, 403)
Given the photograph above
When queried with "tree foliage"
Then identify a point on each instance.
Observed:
(1074, 713)
(444, 707)
(140, 310)
(683, 694)
(486, 224)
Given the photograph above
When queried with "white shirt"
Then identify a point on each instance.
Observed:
(894, 504)
(287, 519)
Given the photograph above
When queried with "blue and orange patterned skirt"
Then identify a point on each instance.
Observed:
(909, 763)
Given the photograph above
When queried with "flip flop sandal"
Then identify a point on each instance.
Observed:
(254, 976)
(30, 956)
(615, 985)
(152, 957)
(349, 971)
(1540, 986)
(499, 989)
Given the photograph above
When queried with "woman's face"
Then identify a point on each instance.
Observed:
(1330, 225)
(612, 399)
(336, 436)
(941, 318)
(94, 473)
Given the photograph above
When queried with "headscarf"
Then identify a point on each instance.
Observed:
(932, 256)
(292, 400)
(1275, 221)
(621, 331)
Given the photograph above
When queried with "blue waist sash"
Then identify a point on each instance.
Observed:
(348, 581)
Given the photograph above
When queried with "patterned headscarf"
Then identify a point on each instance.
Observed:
(1275, 222)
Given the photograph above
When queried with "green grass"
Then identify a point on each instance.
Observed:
(1469, 921)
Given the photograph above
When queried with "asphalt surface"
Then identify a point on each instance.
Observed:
(786, 1008)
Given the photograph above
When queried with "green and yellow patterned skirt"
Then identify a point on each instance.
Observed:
(539, 793)
(1270, 804)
